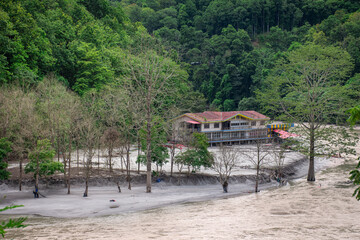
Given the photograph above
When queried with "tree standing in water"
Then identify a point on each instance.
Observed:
(224, 162)
(41, 162)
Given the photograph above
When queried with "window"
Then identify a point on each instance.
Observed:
(226, 135)
(235, 124)
(235, 134)
(262, 123)
(208, 135)
(253, 123)
(216, 125)
(216, 135)
(206, 125)
(244, 124)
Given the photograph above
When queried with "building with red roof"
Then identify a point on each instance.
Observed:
(235, 127)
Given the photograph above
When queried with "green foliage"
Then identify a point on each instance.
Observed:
(197, 155)
(159, 153)
(355, 177)
(91, 70)
(41, 160)
(11, 223)
(230, 46)
(305, 87)
(322, 69)
(355, 174)
(354, 114)
(65, 37)
(5, 148)
(47, 167)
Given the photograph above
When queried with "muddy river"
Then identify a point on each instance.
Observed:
(301, 210)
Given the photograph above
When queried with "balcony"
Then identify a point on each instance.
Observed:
(236, 128)
(237, 139)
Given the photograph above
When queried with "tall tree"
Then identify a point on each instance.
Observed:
(20, 122)
(155, 82)
(90, 133)
(303, 87)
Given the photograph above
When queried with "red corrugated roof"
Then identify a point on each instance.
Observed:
(210, 116)
(284, 134)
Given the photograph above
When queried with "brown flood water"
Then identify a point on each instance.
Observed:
(300, 210)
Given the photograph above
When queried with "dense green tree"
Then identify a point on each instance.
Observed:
(92, 72)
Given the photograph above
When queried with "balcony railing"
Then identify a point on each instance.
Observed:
(236, 128)
(237, 138)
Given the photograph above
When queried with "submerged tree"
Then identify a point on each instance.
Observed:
(304, 87)
(225, 161)
(258, 156)
(41, 161)
(20, 123)
(90, 133)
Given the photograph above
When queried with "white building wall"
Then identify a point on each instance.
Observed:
(211, 127)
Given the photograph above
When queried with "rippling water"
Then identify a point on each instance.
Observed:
(300, 210)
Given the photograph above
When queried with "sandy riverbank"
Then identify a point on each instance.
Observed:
(59, 204)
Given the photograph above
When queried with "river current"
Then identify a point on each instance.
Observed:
(301, 210)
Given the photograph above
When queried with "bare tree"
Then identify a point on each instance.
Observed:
(90, 133)
(225, 161)
(60, 110)
(152, 81)
(277, 153)
(90, 141)
(19, 122)
(111, 139)
(258, 157)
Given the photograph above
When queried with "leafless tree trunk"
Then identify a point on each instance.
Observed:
(258, 157)
(225, 161)
(139, 146)
(151, 77)
(128, 176)
(111, 138)
(69, 169)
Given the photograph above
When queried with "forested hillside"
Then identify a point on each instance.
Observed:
(82, 75)
(227, 47)
(91, 74)
(230, 46)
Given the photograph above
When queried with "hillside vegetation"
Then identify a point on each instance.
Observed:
(97, 73)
